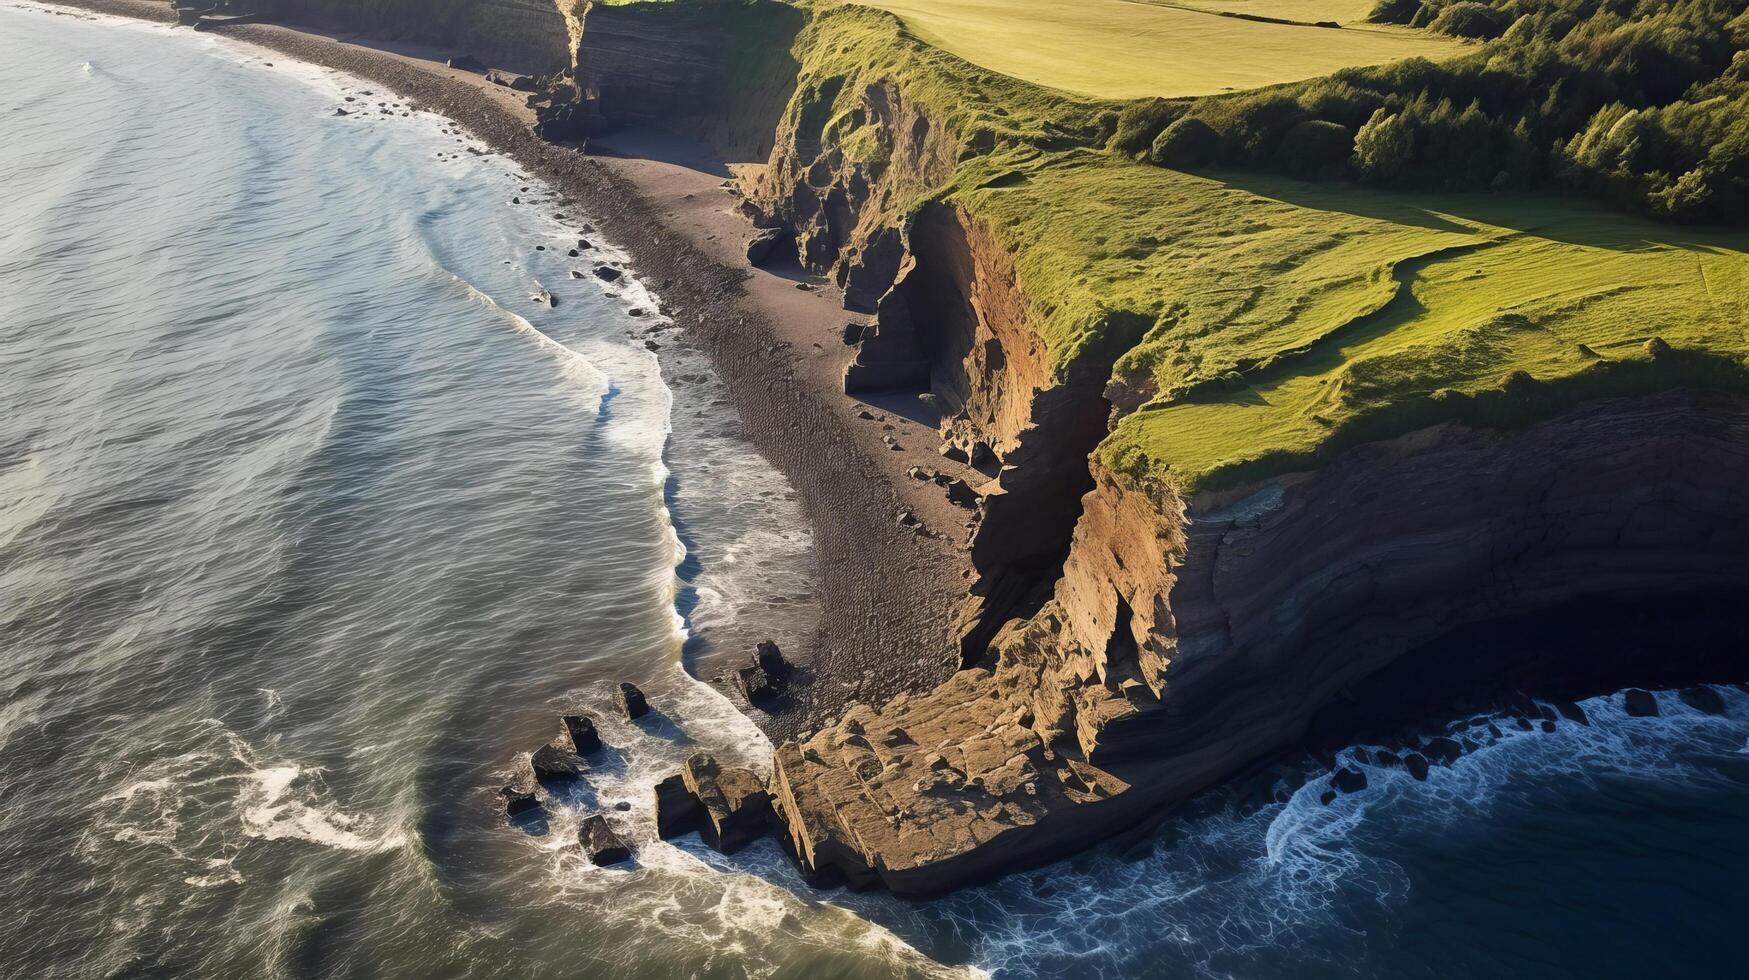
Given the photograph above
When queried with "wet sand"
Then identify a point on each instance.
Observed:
(887, 594)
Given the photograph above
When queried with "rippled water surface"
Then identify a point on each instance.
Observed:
(311, 521)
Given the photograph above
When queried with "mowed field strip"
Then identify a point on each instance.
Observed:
(1131, 49)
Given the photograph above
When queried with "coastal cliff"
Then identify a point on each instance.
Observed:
(1139, 631)
(1247, 443)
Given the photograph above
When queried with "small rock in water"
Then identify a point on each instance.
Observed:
(1416, 763)
(542, 296)
(631, 701)
(553, 763)
(600, 842)
(1703, 699)
(573, 253)
(677, 810)
(518, 800)
(608, 273)
(1571, 712)
(1640, 704)
(341, 112)
(1443, 749)
(1349, 780)
(576, 273)
(540, 248)
(580, 732)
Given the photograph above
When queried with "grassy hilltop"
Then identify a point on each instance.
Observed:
(1258, 321)
(1270, 283)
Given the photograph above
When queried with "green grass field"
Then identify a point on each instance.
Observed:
(1565, 295)
(1124, 49)
(1257, 323)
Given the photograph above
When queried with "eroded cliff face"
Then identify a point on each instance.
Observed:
(718, 72)
(1188, 640)
(523, 35)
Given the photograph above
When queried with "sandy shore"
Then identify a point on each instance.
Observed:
(886, 592)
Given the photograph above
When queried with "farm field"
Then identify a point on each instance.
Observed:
(1123, 49)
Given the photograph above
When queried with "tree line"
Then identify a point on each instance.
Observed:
(1644, 104)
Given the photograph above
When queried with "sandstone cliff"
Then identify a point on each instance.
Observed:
(1134, 636)
(1128, 642)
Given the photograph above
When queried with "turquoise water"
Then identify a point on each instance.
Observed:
(311, 521)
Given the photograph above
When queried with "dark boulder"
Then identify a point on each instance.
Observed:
(1443, 750)
(555, 763)
(766, 655)
(1416, 763)
(579, 731)
(631, 701)
(755, 683)
(600, 842)
(607, 273)
(677, 811)
(543, 297)
(1640, 704)
(466, 62)
(1348, 780)
(1702, 699)
(518, 800)
(1327, 797)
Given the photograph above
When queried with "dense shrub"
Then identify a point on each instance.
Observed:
(1140, 122)
(1472, 19)
(1639, 102)
(1315, 148)
(1188, 142)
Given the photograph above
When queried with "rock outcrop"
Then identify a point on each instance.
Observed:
(1190, 639)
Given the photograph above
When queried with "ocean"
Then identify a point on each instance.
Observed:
(313, 520)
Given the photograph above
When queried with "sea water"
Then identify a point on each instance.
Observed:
(312, 520)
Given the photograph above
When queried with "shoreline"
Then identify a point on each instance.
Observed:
(886, 593)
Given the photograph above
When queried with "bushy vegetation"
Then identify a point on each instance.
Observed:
(1644, 104)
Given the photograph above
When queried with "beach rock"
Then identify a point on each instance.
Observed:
(1348, 780)
(678, 812)
(579, 731)
(607, 273)
(341, 112)
(764, 242)
(755, 684)
(736, 805)
(1416, 763)
(555, 763)
(600, 842)
(518, 800)
(1327, 797)
(573, 253)
(768, 656)
(510, 80)
(631, 701)
(466, 62)
(1640, 704)
(576, 273)
(543, 297)
(1703, 699)
(1572, 712)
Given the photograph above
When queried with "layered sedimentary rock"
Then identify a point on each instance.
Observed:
(1189, 639)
